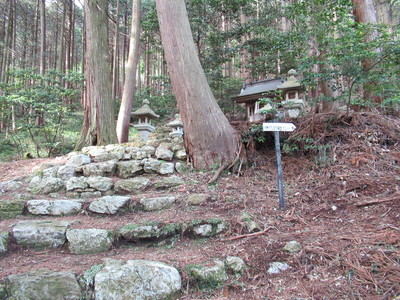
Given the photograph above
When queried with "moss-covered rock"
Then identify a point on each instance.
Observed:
(208, 277)
(10, 209)
(4, 237)
(86, 241)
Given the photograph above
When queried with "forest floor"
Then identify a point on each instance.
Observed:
(343, 206)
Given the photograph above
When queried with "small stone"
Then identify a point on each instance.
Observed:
(86, 241)
(108, 204)
(166, 168)
(4, 238)
(126, 169)
(50, 172)
(209, 277)
(132, 185)
(95, 194)
(54, 207)
(180, 167)
(10, 185)
(277, 267)
(99, 183)
(292, 247)
(251, 225)
(204, 230)
(40, 234)
(72, 195)
(103, 157)
(151, 204)
(103, 169)
(150, 150)
(164, 153)
(66, 172)
(235, 264)
(78, 160)
(151, 165)
(181, 154)
(76, 183)
(197, 199)
(169, 182)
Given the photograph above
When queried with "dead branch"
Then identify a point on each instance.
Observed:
(376, 201)
(247, 235)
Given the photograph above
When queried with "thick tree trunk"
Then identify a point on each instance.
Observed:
(130, 77)
(209, 138)
(98, 126)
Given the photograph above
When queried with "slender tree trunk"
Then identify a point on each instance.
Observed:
(130, 78)
(42, 66)
(209, 138)
(115, 69)
(99, 125)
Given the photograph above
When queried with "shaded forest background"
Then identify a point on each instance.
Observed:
(346, 52)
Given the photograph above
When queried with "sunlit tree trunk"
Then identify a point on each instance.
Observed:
(124, 114)
(99, 125)
(209, 138)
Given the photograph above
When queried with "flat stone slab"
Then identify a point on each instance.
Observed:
(43, 285)
(169, 182)
(149, 231)
(103, 169)
(40, 234)
(46, 185)
(151, 204)
(86, 241)
(54, 207)
(132, 185)
(108, 204)
(137, 279)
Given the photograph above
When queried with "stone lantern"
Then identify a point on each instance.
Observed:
(292, 92)
(145, 114)
(177, 127)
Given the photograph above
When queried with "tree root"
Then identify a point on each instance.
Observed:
(224, 166)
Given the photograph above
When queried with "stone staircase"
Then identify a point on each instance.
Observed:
(120, 207)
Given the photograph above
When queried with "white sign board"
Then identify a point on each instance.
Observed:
(278, 127)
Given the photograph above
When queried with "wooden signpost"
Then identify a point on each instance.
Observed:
(276, 128)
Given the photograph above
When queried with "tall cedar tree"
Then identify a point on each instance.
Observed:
(209, 137)
(99, 124)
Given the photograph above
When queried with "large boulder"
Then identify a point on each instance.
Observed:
(150, 204)
(4, 237)
(43, 285)
(108, 204)
(46, 185)
(130, 168)
(54, 207)
(137, 279)
(10, 209)
(85, 241)
(40, 234)
(132, 185)
(103, 169)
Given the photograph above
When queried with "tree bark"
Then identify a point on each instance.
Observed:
(98, 126)
(209, 138)
(124, 114)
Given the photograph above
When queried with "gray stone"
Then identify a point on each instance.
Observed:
(95, 194)
(76, 183)
(108, 204)
(137, 279)
(169, 182)
(141, 155)
(276, 267)
(99, 183)
(166, 168)
(40, 234)
(150, 204)
(94, 150)
(292, 247)
(152, 165)
(251, 225)
(149, 231)
(4, 237)
(115, 148)
(197, 199)
(126, 169)
(164, 153)
(107, 156)
(38, 170)
(204, 230)
(209, 277)
(132, 185)
(10, 209)
(181, 154)
(43, 285)
(54, 207)
(132, 150)
(10, 185)
(180, 167)
(47, 185)
(78, 160)
(50, 172)
(235, 264)
(72, 195)
(85, 241)
(66, 172)
(103, 169)
(150, 150)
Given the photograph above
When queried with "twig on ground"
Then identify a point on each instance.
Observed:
(247, 235)
(376, 201)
